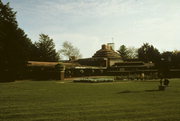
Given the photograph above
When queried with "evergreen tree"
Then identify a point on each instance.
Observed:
(14, 45)
(123, 52)
(45, 49)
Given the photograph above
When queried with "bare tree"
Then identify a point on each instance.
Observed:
(69, 51)
(132, 52)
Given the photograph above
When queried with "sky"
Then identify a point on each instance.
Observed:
(88, 24)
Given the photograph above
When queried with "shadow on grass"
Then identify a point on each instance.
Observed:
(128, 91)
(155, 90)
(41, 79)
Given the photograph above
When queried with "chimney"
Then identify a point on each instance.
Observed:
(111, 46)
(104, 47)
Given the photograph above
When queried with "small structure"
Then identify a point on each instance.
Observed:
(163, 84)
(166, 82)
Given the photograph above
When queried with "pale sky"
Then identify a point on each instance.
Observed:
(88, 24)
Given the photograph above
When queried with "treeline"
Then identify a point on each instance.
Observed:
(148, 53)
(16, 48)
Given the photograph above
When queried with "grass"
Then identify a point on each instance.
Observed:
(116, 101)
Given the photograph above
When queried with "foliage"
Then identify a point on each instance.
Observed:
(173, 57)
(45, 49)
(123, 52)
(14, 44)
(127, 52)
(70, 51)
(148, 53)
(176, 59)
(117, 101)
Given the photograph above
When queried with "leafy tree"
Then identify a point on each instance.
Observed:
(172, 57)
(148, 53)
(167, 55)
(14, 45)
(70, 51)
(176, 59)
(45, 49)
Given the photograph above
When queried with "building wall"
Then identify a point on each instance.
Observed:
(112, 61)
(99, 62)
(80, 72)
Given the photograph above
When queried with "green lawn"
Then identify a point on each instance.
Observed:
(117, 101)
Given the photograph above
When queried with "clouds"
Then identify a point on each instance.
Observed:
(90, 23)
(86, 8)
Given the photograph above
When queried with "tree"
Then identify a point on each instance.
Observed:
(176, 59)
(14, 45)
(70, 51)
(148, 53)
(132, 52)
(127, 52)
(123, 52)
(45, 49)
(167, 55)
(172, 57)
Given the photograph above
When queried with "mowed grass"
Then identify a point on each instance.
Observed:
(117, 101)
